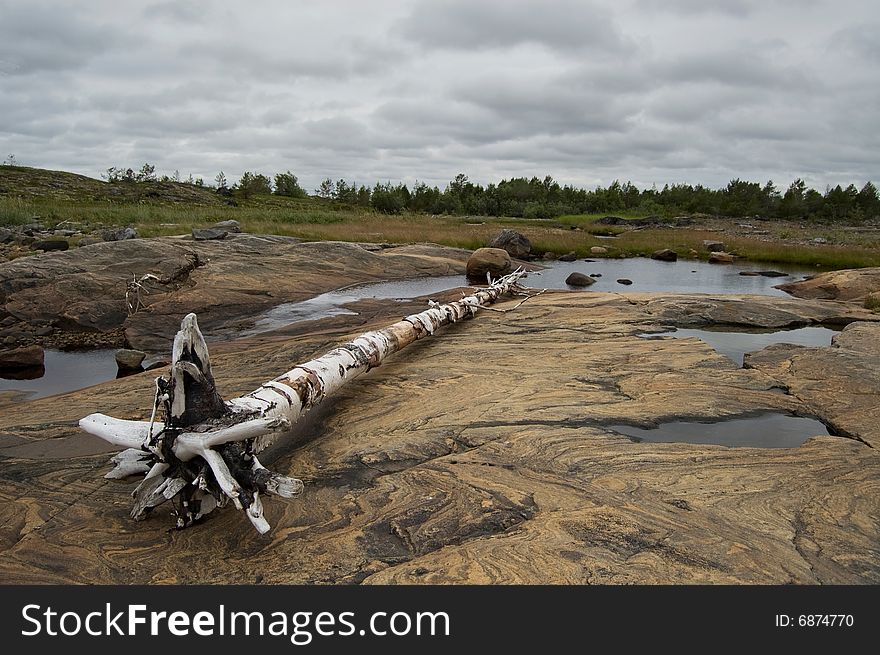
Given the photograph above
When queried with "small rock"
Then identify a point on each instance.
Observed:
(595, 275)
(161, 363)
(720, 258)
(231, 226)
(119, 234)
(550, 256)
(820, 240)
(598, 250)
(772, 273)
(713, 246)
(568, 257)
(89, 241)
(750, 273)
(624, 281)
(65, 233)
(517, 245)
(44, 331)
(665, 255)
(6, 236)
(693, 253)
(50, 244)
(209, 233)
(24, 239)
(579, 280)
(21, 358)
(488, 260)
(129, 360)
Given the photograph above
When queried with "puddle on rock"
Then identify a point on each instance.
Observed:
(735, 345)
(771, 430)
(67, 371)
(331, 303)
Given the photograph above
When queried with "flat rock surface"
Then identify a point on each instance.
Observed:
(482, 455)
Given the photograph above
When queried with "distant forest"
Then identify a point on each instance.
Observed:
(545, 198)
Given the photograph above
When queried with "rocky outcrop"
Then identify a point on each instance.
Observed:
(517, 245)
(849, 284)
(430, 469)
(226, 282)
(494, 261)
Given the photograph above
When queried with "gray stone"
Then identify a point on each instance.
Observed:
(568, 257)
(6, 236)
(713, 246)
(517, 245)
(665, 255)
(579, 280)
(119, 234)
(721, 258)
(209, 233)
(231, 226)
(129, 360)
(50, 244)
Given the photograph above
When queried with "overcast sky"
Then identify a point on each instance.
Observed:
(652, 91)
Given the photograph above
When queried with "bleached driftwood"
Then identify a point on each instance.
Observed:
(203, 453)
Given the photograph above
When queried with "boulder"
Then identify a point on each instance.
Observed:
(129, 360)
(847, 284)
(598, 250)
(624, 281)
(488, 260)
(713, 246)
(119, 234)
(568, 257)
(517, 245)
(665, 255)
(720, 258)
(231, 226)
(21, 358)
(50, 244)
(209, 233)
(579, 280)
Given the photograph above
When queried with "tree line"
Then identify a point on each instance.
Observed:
(545, 198)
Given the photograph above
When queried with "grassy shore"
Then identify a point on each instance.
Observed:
(155, 209)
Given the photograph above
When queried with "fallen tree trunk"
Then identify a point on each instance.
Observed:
(203, 453)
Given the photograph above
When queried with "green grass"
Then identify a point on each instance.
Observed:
(157, 209)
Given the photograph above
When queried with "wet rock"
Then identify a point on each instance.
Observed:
(488, 260)
(624, 281)
(129, 360)
(665, 255)
(568, 257)
(713, 246)
(595, 275)
(48, 245)
(579, 280)
(721, 258)
(517, 245)
(847, 284)
(772, 274)
(209, 233)
(21, 358)
(598, 250)
(750, 273)
(119, 234)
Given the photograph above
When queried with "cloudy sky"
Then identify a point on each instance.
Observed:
(652, 91)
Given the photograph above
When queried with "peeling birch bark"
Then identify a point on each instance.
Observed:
(202, 455)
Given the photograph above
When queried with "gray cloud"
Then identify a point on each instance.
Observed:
(589, 92)
(565, 25)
